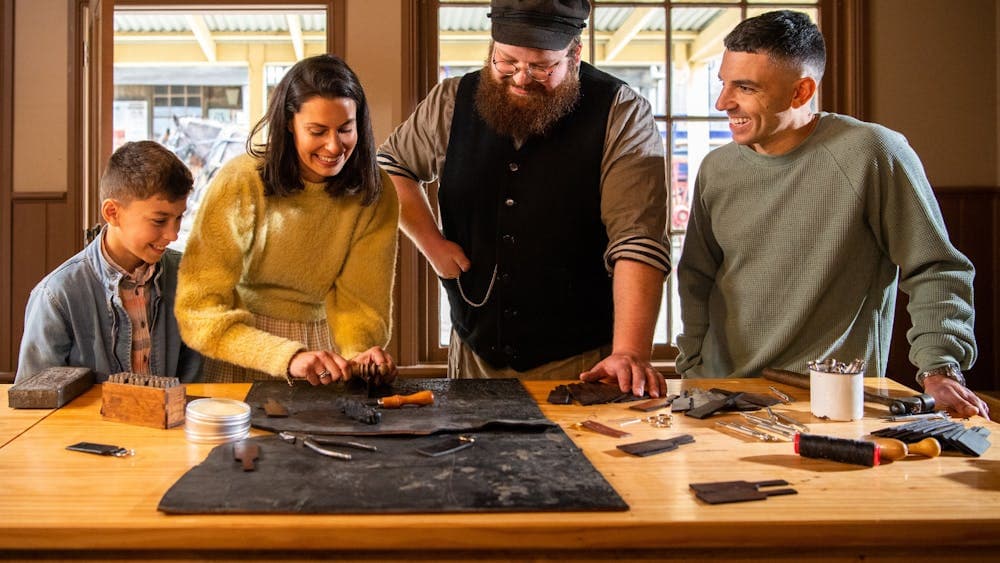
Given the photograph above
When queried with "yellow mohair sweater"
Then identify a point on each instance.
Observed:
(298, 258)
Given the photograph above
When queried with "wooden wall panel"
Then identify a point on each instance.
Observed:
(972, 216)
(43, 236)
(6, 175)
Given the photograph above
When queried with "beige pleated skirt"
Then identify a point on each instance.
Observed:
(315, 335)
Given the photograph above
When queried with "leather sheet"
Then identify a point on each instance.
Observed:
(460, 405)
(503, 470)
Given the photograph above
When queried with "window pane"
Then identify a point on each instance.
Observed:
(811, 12)
(696, 50)
(201, 97)
(444, 317)
(631, 45)
(463, 40)
(690, 142)
(676, 243)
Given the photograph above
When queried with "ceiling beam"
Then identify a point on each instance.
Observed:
(629, 29)
(201, 32)
(709, 42)
(295, 33)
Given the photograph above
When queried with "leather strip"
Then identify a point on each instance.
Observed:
(595, 426)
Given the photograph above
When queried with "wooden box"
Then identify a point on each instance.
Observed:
(146, 406)
(50, 388)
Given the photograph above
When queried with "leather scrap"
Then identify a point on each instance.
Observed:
(560, 396)
(738, 491)
(595, 426)
(749, 401)
(274, 409)
(587, 393)
(711, 407)
(654, 404)
(653, 447)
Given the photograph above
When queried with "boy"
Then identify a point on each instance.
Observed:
(110, 308)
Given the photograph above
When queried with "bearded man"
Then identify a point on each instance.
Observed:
(553, 203)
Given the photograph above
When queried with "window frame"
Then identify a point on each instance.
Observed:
(96, 89)
(844, 27)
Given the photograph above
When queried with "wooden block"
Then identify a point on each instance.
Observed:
(145, 406)
(50, 388)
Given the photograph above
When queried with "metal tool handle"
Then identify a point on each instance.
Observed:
(420, 398)
(320, 450)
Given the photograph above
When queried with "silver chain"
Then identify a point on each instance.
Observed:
(489, 289)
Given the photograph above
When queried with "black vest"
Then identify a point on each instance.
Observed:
(535, 214)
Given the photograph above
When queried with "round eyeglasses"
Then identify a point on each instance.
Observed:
(537, 73)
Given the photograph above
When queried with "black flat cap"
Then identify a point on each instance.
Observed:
(538, 24)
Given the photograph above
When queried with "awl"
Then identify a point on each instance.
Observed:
(420, 398)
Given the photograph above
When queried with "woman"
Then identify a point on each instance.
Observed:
(288, 270)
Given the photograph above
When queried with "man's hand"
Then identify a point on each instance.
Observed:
(959, 400)
(630, 373)
(447, 258)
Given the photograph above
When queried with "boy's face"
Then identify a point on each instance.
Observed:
(141, 230)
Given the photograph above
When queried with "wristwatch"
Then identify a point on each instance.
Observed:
(950, 371)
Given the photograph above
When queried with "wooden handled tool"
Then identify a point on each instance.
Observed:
(420, 398)
(891, 448)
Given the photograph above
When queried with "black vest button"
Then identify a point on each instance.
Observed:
(509, 350)
(509, 239)
(513, 166)
(505, 278)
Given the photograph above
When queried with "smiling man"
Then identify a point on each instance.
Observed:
(553, 205)
(802, 227)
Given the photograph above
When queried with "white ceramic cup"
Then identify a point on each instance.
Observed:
(837, 396)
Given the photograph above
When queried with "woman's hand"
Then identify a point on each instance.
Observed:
(376, 355)
(319, 367)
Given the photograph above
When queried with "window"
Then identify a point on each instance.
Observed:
(669, 52)
(197, 80)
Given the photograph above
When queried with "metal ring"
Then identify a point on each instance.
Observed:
(323, 374)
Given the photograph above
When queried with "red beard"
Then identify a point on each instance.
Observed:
(520, 117)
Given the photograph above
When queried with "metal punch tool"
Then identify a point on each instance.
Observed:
(787, 420)
(771, 426)
(743, 429)
(783, 397)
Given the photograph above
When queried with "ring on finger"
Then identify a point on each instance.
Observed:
(323, 374)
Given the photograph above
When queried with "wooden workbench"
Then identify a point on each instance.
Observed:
(101, 507)
(14, 422)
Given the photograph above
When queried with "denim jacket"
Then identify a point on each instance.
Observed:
(75, 317)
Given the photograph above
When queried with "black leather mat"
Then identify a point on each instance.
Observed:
(502, 471)
(460, 405)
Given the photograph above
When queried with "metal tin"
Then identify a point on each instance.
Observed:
(216, 420)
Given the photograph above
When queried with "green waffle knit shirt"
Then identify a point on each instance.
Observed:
(796, 257)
